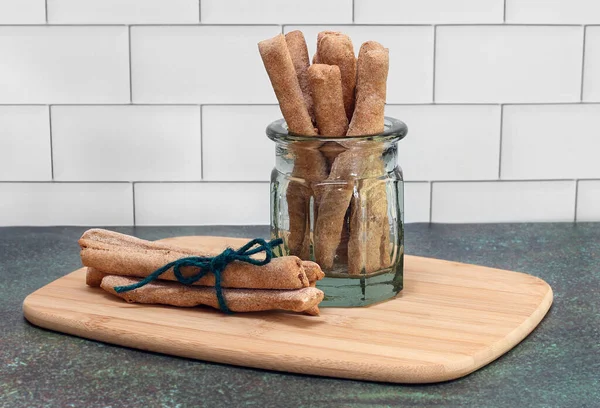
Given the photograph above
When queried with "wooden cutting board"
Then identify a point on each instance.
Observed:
(450, 320)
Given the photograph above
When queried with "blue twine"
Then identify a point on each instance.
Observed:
(215, 265)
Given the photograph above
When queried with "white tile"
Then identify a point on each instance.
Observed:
(428, 11)
(96, 204)
(126, 143)
(123, 11)
(553, 11)
(588, 200)
(410, 79)
(276, 11)
(200, 64)
(24, 143)
(64, 65)
(449, 142)
(202, 203)
(591, 77)
(495, 64)
(22, 12)
(235, 145)
(503, 201)
(551, 141)
(416, 202)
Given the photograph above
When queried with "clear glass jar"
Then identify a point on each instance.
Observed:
(340, 202)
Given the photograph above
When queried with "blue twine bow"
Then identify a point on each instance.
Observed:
(215, 265)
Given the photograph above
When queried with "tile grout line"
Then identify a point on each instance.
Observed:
(298, 24)
(430, 202)
(418, 104)
(201, 144)
(46, 10)
(267, 181)
(434, 63)
(51, 149)
(199, 11)
(504, 13)
(500, 148)
(130, 70)
(576, 194)
(583, 64)
(133, 201)
(353, 10)
(138, 182)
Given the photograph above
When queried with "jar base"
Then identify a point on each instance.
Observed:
(358, 291)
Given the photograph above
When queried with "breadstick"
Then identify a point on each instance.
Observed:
(129, 256)
(325, 84)
(367, 247)
(315, 59)
(370, 248)
(313, 272)
(238, 300)
(334, 199)
(335, 48)
(373, 66)
(299, 52)
(309, 167)
(93, 277)
(281, 71)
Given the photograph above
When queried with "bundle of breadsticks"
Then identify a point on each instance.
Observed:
(113, 260)
(338, 95)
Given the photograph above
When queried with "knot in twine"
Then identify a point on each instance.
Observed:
(215, 265)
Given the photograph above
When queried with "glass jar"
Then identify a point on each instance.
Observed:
(339, 202)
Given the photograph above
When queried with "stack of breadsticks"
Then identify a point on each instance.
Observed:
(113, 260)
(338, 95)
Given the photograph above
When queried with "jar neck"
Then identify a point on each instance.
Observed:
(352, 159)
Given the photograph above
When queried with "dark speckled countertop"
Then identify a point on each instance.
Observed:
(558, 365)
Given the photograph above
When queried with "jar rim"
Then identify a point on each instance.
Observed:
(394, 130)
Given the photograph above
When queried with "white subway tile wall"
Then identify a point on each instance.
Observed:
(553, 11)
(447, 136)
(591, 77)
(60, 64)
(417, 197)
(276, 11)
(235, 144)
(122, 11)
(153, 112)
(428, 11)
(25, 143)
(588, 200)
(22, 12)
(491, 64)
(199, 64)
(201, 203)
(511, 201)
(33, 204)
(551, 141)
(126, 143)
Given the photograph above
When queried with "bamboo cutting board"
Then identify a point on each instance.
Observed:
(450, 320)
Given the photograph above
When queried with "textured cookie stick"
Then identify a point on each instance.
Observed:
(335, 48)
(238, 300)
(373, 66)
(313, 272)
(368, 246)
(280, 68)
(129, 256)
(334, 199)
(299, 53)
(93, 277)
(325, 83)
